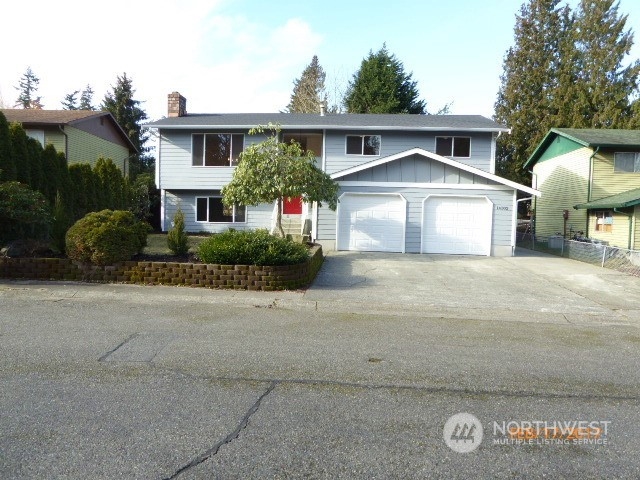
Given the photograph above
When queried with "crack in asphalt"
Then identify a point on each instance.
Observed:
(111, 352)
(228, 439)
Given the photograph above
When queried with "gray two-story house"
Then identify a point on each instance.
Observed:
(408, 183)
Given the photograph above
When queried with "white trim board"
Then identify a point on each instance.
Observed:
(439, 158)
(451, 186)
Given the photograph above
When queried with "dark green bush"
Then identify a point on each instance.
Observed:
(251, 248)
(106, 237)
(177, 239)
(24, 213)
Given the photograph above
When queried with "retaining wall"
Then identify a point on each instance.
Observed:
(244, 277)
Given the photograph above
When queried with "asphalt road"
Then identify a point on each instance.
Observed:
(356, 378)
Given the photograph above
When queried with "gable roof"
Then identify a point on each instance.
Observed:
(309, 121)
(620, 200)
(439, 158)
(36, 117)
(587, 137)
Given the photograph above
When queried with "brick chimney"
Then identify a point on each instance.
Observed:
(177, 105)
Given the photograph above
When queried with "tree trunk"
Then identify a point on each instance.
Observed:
(279, 217)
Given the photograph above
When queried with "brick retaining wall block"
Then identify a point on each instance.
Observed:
(244, 277)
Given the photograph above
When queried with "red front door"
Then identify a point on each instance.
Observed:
(292, 206)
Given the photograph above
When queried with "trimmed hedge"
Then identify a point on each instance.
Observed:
(251, 248)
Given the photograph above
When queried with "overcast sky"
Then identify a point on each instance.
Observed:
(243, 55)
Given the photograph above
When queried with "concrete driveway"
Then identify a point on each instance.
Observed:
(528, 287)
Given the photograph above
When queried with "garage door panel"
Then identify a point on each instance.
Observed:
(457, 225)
(371, 222)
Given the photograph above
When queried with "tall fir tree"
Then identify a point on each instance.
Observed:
(309, 95)
(86, 99)
(28, 86)
(566, 69)
(70, 101)
(603, 83)
(129, 115)
(381, 85)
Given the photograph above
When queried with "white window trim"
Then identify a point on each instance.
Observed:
(204, 152)
(233, 222)
(452, 144)
(362, 145)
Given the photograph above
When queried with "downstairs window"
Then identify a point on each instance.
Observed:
(212, 210)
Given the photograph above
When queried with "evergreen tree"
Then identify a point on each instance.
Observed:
(50, 165)
(309, 94)
(7, 161)
(21, 153)
(524, 101)
(129, 115)
(70, 101)
(603, 83)
(382, 86)
(36, 173)
(86, 99)
(565, 69)
(27, 87)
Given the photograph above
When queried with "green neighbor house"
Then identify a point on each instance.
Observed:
(82, 135)
(591, 177)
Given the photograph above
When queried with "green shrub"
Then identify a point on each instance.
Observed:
(24, 213)
(106, 237)
(177, 239)
(251, 248)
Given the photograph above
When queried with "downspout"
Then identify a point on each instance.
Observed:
(595, 152)
(630, 217)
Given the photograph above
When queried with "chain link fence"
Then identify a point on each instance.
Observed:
(584, 250)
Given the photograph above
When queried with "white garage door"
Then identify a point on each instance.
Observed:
(457, 225)
(371, 222)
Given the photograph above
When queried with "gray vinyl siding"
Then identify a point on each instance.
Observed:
(502, 212)
(396, 142)
(257, 217)
(415, 169)
(176, 170)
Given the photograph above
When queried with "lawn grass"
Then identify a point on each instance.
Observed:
(157, 244)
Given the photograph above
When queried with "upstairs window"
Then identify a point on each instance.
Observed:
(453, 146)
(310, 142)
(212, 210)
(626, 162)
(363, 144)
(216, 149)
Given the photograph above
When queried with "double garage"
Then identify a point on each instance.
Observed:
(425, 222)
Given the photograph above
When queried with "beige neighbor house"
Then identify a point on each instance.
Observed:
(590, 182)
(82, 135)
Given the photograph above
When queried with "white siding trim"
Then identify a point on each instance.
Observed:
(163, 203)
(514, 223)
(452, 186)
(445, 160)
(492, 165)
(158, 155)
